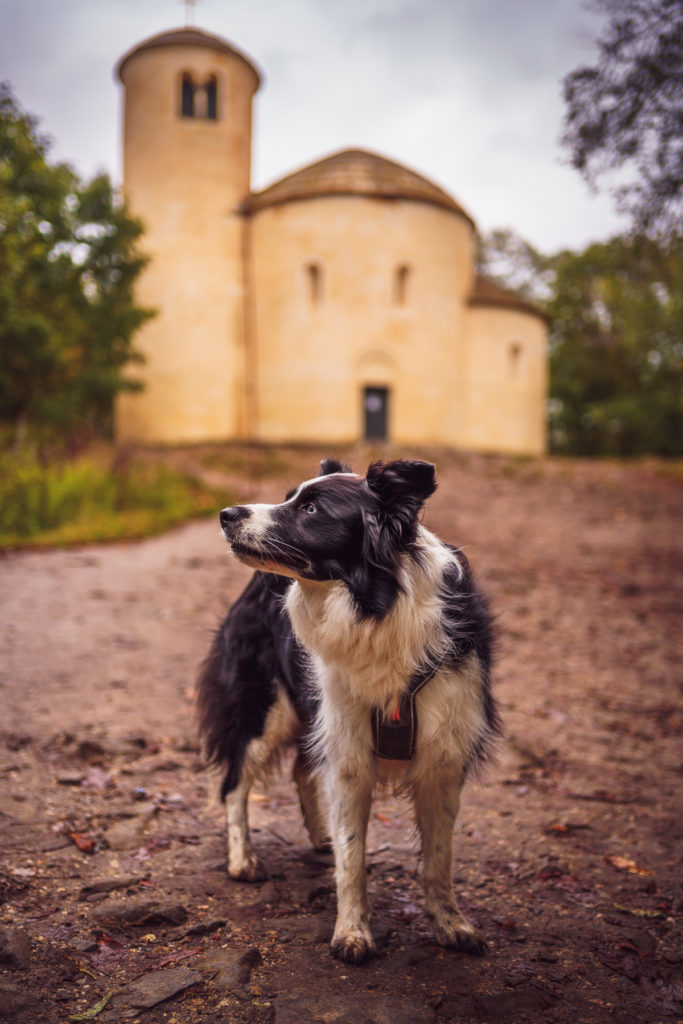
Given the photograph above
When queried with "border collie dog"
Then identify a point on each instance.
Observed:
(358, 621)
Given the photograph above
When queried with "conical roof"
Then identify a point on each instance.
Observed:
(188, 37)
(354, 172)
(486, 292)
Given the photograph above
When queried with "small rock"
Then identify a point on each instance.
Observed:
(105, 885)
(70, 778)
(124, 835)
(308, 930)
(645, 943)
(82, 945)
(268, 893)
(91, 751)
(231, 968)
(15, 948)
(123, 913)
(155, 987)
(207, 927)
(12, 1000)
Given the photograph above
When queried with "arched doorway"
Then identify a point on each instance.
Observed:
(376, 413)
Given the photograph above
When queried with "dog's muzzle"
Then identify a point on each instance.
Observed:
(231, 517)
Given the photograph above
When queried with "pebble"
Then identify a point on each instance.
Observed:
(124, 913)
(231, 968)
(15, 948)
(105, 885)
(155, 987)
(12, 1000)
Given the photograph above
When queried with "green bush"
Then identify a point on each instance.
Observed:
(85, 500)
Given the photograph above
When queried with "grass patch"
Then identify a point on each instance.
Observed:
(93, 499)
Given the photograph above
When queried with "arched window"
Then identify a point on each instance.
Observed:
(211, 89)
(401, 282)
(314, 282)
(515, 353)
(187, 96)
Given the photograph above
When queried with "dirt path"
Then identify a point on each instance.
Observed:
(568, 851)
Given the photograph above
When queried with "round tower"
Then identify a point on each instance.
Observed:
(186, 172)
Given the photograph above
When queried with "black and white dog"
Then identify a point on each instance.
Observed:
(364, 641)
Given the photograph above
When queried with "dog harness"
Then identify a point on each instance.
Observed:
(394, 738)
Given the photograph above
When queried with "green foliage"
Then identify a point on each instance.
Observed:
(616, 355)
(512, 261)
(625, 111)
(616, 341)
(89, 500)
(68, 262)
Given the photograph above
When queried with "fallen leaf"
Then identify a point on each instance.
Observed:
(86, 844)
(636, 911)
(626, 864)
(174, 957)
(94, 1010)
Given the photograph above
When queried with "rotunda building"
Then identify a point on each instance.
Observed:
(340, 303)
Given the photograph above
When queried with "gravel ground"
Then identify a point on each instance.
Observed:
(114, 902)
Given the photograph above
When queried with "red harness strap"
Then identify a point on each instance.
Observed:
(394, 738)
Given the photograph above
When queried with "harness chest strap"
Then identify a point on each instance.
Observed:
(394, 738)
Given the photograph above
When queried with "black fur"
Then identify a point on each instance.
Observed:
(357, 533)
(253, 648)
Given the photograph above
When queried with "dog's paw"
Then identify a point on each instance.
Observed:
(468, 941)
(248, 869)
(353, 947)
(453, 931)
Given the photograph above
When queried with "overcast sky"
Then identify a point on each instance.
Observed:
(467, 92)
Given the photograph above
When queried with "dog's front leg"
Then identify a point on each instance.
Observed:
(350, 796)
(437, 801)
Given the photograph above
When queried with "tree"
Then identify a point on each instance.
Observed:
(616, 349)
(616, 339)
(626, 112)
(68, 262)
(514, 263)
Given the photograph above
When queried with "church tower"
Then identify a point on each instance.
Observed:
(186, 172)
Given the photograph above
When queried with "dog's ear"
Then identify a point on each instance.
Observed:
(389, 527)
(403, 484)
(328, 466)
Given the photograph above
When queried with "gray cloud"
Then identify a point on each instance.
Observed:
(465, 91)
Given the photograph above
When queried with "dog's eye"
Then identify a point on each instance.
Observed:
(311, 509)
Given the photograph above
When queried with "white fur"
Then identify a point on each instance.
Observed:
(361, 664)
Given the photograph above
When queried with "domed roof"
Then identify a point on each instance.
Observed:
(354, 172)
(486, 292)
(187, 37)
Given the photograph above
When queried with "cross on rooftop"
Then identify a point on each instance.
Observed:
(189, 11)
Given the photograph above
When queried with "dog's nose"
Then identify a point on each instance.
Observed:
(233, 514)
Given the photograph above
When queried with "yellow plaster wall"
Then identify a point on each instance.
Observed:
(312, 361)
(185, 178)
(505, 404)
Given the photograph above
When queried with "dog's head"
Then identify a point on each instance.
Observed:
(338, 526)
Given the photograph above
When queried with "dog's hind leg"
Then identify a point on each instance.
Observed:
(243, 862)
(309, 798)
(437, 801)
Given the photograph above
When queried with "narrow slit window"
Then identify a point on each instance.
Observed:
(187, 96)
(515, 353)
(314, 283)
(402, 276)
(211, 89)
